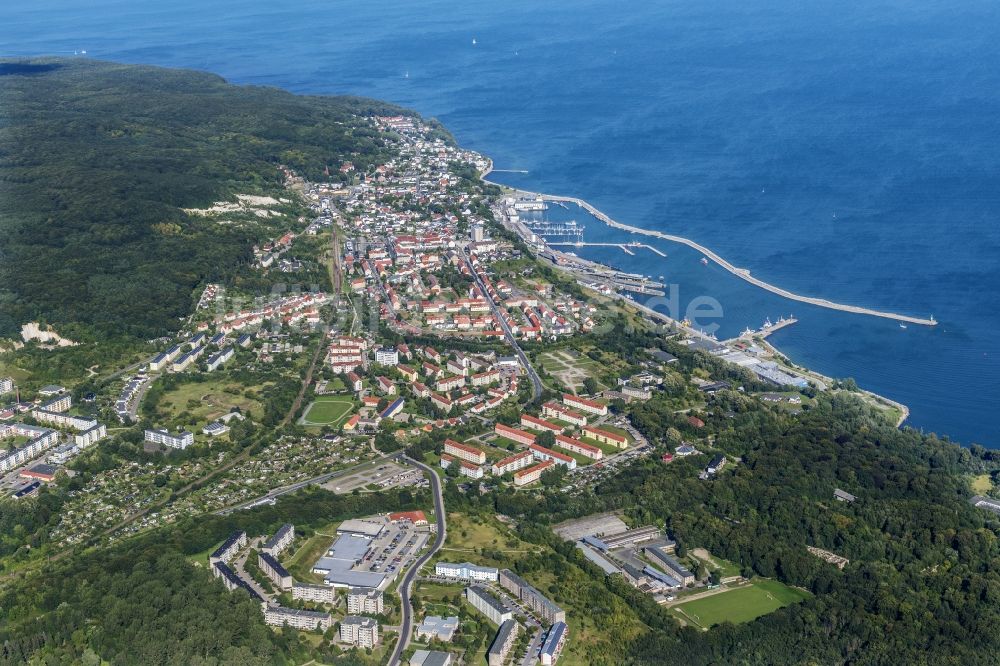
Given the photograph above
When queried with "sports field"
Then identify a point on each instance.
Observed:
(740, 604)
(328, 411)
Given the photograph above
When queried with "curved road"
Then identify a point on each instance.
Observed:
(406, 585)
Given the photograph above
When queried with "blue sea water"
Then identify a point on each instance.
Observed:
(849, 151)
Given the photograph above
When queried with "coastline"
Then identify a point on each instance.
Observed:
(904, 411)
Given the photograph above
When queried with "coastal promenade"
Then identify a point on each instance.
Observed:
(741, 273)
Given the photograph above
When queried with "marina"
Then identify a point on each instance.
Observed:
(741, 273)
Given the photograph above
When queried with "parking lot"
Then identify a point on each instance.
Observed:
(386, 475)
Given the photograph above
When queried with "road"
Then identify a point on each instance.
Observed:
(536, 382)
(406, 585)
(284, 490)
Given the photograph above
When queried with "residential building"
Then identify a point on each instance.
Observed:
(556, 411)
(231, 581)
(90, 436)
(272, 569)
(6, 385)
(58, 404)
(354, 381)
(485, 378)
(532, 598)
(514, 434)
(513, 463)
(61, 420)
(542, 453)
(553, 644)
(360, 631)
(535, 423)
(582, 448)
(181, 440)
(435, 626)
(484, 601)
(464, 452)
(584, 405)
(232, 545)
(367, 600)
(532, 474)
(279, 616)
(502, 643)
(219, 358)
(386, 356)
(323, 594)
(39, 440)
(281, 539)
(606, 437)
(466, 571)
(464, 468)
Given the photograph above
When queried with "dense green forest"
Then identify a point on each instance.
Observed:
(96, 162)
(923, 582)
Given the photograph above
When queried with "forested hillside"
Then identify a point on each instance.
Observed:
(96, 161)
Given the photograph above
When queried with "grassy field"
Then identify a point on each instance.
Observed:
(301, 562)
(466, 536)
(201, 559)
(982, 484)
(607, 448)
(725, 567)
(201, 402)
(740, 604)
(569, 367)
(328, 411)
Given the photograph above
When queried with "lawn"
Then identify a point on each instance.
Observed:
(982, 484)
(725, 567)
(740, 604)
(607, 448)
(201, 559)
(467, 535)
(201, 402)
(328, 411)
(301, 562)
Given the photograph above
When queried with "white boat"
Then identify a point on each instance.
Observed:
(902, 325)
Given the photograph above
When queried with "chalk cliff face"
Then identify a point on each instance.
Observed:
(33, 331)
